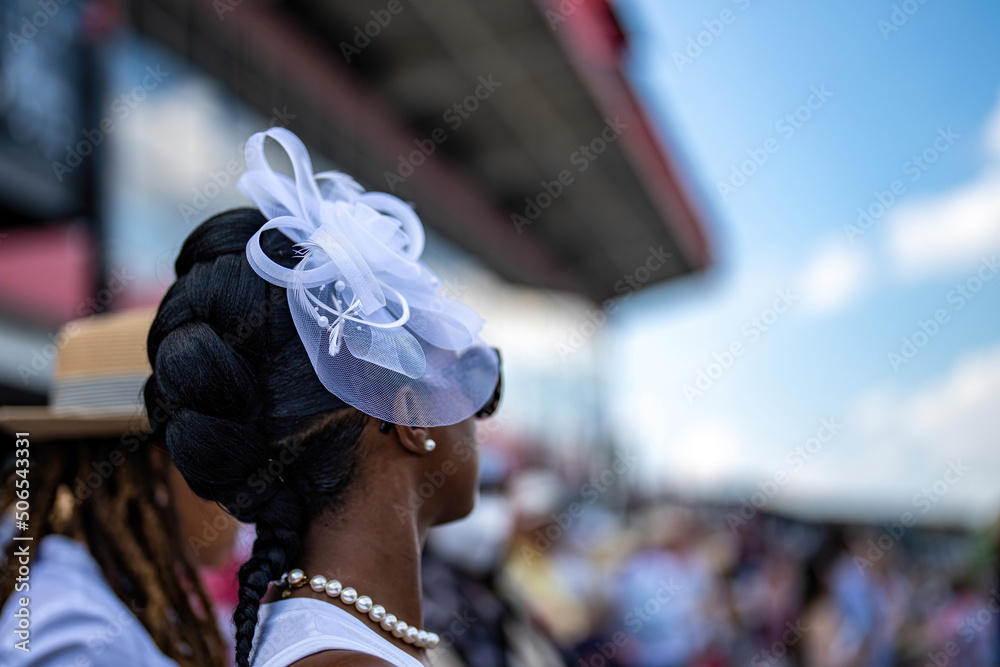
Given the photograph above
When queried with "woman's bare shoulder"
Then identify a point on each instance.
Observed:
(341, 659)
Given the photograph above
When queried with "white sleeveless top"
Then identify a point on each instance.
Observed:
(289, 630)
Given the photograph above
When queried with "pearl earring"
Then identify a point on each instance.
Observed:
(430, 445)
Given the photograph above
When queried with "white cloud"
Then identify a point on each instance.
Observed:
(954, 230)
(704, 453)
(950, 232)
(834, 276)
(910, 439)
(958, 412)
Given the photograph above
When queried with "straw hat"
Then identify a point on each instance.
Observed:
(100, 368)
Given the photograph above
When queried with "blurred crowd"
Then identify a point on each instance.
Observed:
(561, 568)
(662, 583)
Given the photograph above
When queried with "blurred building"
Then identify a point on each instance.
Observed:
(510, 126)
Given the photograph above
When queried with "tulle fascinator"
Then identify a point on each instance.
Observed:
(366, 308)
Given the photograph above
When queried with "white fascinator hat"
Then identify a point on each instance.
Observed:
(367, 309)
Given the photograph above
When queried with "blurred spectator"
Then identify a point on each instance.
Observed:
(111, 535)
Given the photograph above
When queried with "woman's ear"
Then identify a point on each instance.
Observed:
(412, 439)
(415, 439)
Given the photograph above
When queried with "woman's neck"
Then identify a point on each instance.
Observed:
(374, 548)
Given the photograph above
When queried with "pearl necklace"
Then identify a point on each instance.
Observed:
(408, 633)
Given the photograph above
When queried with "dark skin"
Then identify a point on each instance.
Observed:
(373, 542)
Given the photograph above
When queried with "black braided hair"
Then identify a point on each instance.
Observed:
(247, 422)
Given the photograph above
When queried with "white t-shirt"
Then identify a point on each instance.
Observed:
(289, 630)
(76, 620)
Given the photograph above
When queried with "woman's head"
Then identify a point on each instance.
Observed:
(251, 426)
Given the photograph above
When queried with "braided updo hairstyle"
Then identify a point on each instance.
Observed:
(242, 401)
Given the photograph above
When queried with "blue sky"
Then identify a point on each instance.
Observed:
(886, 96)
